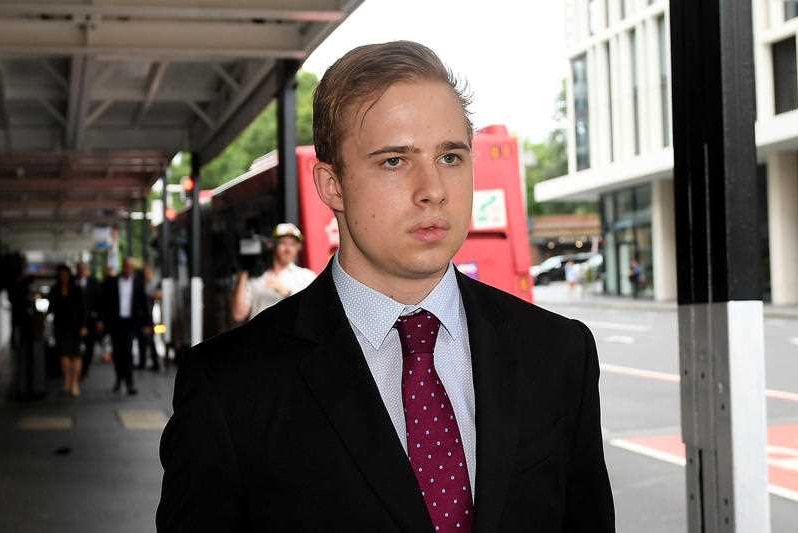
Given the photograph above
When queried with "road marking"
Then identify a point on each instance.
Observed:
(781, 455)
(648, 452)
(142, 418)
(44, 423)
(773, 394)
(639, 372)
(620, 339)
(619, 326)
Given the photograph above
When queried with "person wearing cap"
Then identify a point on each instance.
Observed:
(284, 278)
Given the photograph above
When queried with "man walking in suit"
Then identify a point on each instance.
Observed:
(124, 313)
(393, 394)
(90, 289)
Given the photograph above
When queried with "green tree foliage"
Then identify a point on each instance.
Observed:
(257, 139)
(551, 161)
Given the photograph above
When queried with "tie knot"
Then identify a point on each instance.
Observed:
(418, 332)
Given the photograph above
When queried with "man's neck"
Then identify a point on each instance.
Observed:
(408, 291)
(279, 267)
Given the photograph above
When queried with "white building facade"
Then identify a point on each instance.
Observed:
(620, 140)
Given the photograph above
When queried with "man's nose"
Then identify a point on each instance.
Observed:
(430, 189)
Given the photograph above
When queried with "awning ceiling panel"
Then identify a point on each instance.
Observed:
(97, 95)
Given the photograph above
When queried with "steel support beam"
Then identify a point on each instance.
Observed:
(145, 230)
(720, 312)
(5, 121)
(304, 11)
(111, 203)
(156, 76)
(239, 111)
(196, 256)
(129, 233)
(78, 106)
(286, 141)
(166, 274)
(71, 183)
(114, 39)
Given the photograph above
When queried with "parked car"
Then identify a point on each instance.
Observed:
(553, 268)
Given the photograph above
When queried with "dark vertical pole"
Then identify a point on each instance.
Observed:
(720, 312)
(145, 229)
(286, 141)
(165, 232)
(166, 274)
(129, 232)
(196, 274)
(195, 215)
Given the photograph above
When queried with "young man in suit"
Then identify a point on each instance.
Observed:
(125, 310)
(393, 394)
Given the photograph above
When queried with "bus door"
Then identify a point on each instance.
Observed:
(496, 250)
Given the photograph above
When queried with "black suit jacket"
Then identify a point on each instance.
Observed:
(279, 426)
(110, 296)
(92, 299)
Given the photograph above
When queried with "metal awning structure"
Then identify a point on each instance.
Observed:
(97, 95)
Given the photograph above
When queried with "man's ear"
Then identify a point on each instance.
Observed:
(328, 185)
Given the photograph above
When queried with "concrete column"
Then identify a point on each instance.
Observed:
(663, 240)
(783, 226)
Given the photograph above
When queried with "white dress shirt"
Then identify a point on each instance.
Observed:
(125, 296)
(372, 316)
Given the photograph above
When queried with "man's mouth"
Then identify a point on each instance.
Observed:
(431, 230)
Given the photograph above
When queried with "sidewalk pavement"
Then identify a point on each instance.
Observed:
(590, 297)
(84, 464)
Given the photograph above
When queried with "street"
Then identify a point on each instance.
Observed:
(639, 358)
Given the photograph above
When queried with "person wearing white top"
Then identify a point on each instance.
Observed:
(284, 278)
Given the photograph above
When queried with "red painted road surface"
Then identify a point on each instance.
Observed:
(782, 459)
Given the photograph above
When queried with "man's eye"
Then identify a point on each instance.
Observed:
(392, 162)
(451, 159)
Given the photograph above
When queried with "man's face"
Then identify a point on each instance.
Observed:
(407, 183)
(127, 268)
(83, 270)
(286, 251)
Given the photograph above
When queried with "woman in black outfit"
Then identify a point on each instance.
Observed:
(66, 304)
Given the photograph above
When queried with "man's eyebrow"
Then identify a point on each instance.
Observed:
(405, 149)
(448, 146)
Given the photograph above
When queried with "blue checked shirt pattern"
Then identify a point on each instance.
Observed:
(372, 316)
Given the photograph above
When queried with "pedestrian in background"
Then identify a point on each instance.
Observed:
(124, 311)
(91, 293)
(145, 331)
(69, 327)
(282, 279)
(571, 275)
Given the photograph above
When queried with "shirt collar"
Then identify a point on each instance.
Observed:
(374, 313)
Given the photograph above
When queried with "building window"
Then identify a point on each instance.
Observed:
(622, 5)
(593, 16)
(635, 89)
(790, 9)
(785, 77)
(665, 105)
(581, 112)
(628, 257)
(609, 100)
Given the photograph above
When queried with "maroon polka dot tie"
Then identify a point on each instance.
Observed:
(434, 445)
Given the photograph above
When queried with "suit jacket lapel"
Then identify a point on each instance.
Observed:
(495, 377)
(339, 378)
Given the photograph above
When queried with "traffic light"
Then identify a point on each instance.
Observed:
(188, 184)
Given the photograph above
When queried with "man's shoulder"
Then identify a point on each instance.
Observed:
(266, 337)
